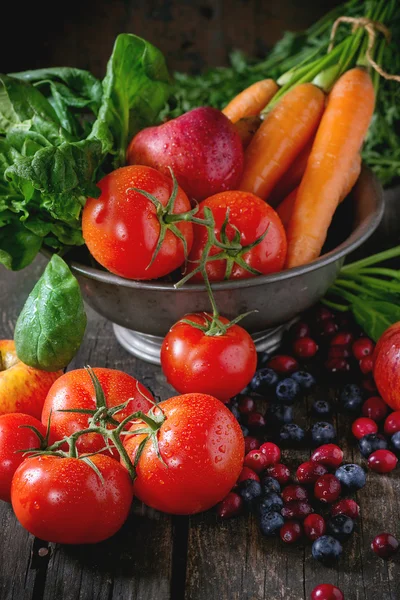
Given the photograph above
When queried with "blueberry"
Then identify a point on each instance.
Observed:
(352, 477)
(271, 522)
(305, 380)
(395, 441)
(322, 408)
(287, 391)
(291, 433)
(250, 490)
(326, 549)
(371, 442)
(245, 430)
(340, 527)
(323, 433)
(264, 380)
(270, 484)
(279, 413)
(351, 397)
(270, 502)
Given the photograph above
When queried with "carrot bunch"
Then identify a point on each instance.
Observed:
(304, 158)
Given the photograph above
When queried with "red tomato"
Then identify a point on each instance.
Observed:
(121, 227)
(203, 448)
(75, 390)
(220, 365)
(251, 216)
(64, 500)
(13, 438)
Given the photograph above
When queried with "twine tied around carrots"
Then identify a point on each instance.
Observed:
(371, 27)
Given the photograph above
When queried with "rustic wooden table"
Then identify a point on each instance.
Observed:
(158, 557)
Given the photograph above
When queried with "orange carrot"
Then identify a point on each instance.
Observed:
(292, 178)
(338, 141)
(251, 101)
(285, 209)
(247, 127)
(281, 137)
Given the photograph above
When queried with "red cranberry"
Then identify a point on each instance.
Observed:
(300, 330)
(309, 472)
(363, 426)
(346, 507)
(337, 365)
(297, 509)
(329, 455)
(255, 460)
(368, 384)
(323, 314)
(305, 347)
(326, 591)
(328, 328)
(314, 526)
(294, 492)
(344, 338)
(327, 488)
(366, 365)
(251, 443)
(338, 352)
(375, 408)
(272, 452)
(283, 364)
(382, 461)
(256, 420)
(280, 472)
(247, 473)
(362, 347)
(291, 532)
(230, 506)
(246, 405)
(385, 545)
(392, 423)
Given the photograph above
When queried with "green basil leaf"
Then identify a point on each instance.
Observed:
(135, 90)
(52, 323)
(18, 246)
(62, 174)
(23, 106)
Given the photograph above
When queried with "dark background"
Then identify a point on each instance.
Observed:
(193, 34)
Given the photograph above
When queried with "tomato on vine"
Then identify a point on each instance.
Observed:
(249, 238)
(117, 391)
(17, 433)
(68, 501)
(188, 453)
(210, 356)
(132, 229)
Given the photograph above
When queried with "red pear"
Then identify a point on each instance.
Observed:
(202, 147)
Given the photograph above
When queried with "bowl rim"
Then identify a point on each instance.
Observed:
(359, 235)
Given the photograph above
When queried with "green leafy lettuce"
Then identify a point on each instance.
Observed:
(61, 130)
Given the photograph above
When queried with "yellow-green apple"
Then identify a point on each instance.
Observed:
(22, 388)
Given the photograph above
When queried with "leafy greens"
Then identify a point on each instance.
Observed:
(60, 131)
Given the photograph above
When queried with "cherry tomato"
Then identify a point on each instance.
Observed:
(121, 227)
(202, 446)
(14, 437)
(252, 217)
(219, 365)
(64, 500)
(75, 390)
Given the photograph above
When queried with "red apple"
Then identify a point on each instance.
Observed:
(387, 366)
(22, 388)
(202, 147)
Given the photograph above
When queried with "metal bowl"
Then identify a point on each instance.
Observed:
(143, 312)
